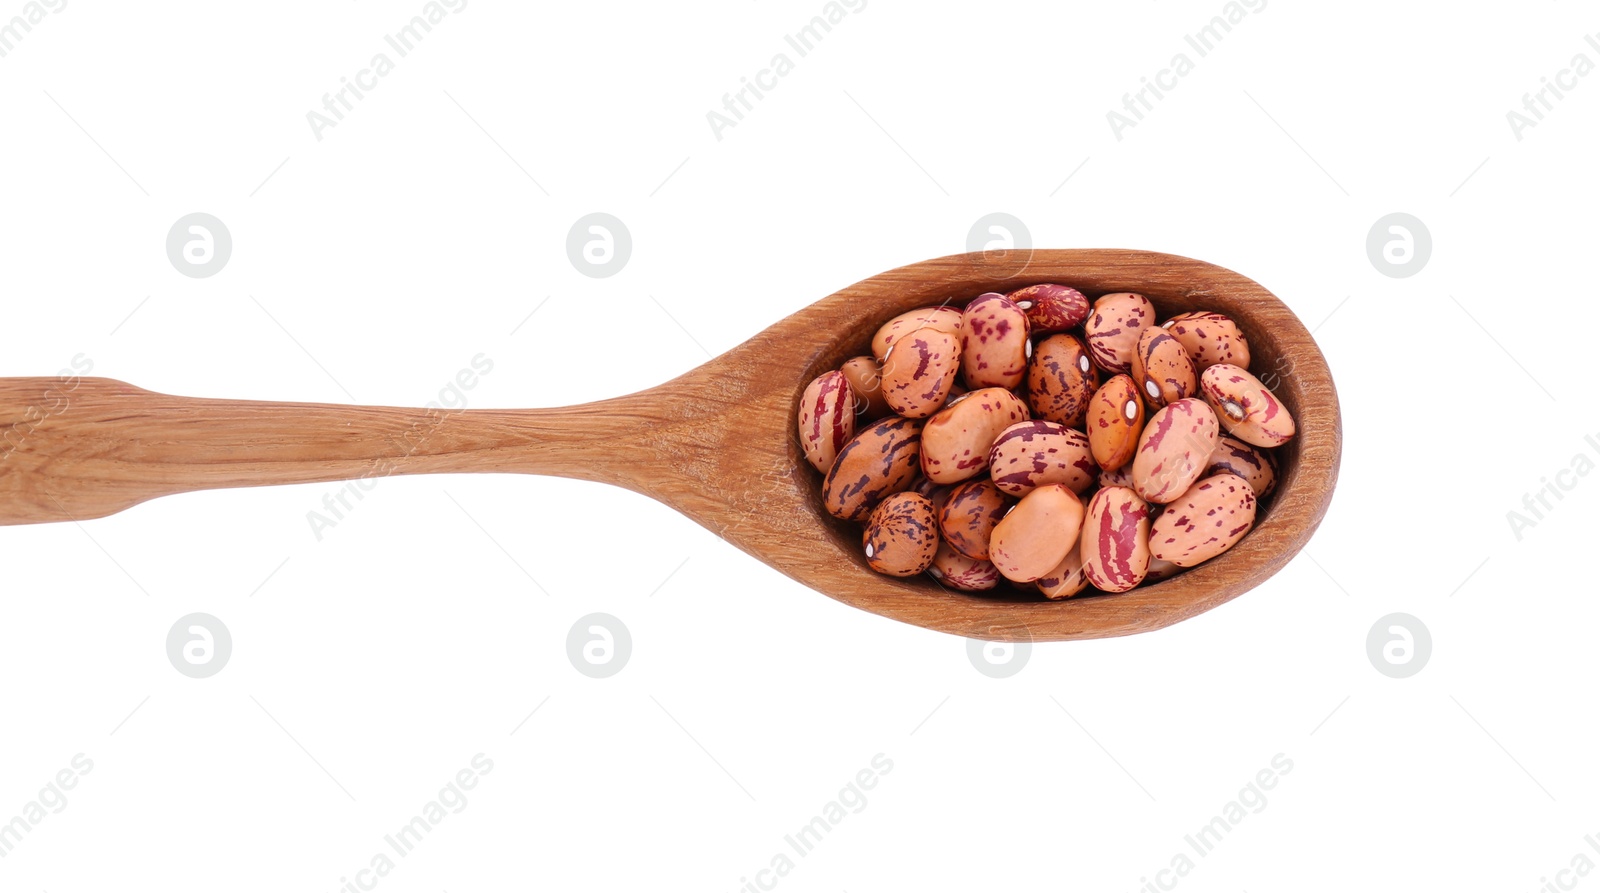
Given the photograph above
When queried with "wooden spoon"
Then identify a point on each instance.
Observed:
(718, 444)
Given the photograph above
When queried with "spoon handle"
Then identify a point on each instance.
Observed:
(78, 448)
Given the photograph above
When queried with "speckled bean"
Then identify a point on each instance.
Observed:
(1067, 578)
(945, 319)
(1210, 338)
(956, 441)
(900, 539)
(961, 573)
(969, 516)
(1245, 407)
(1162, 368)
(1035, 536)
(1205, 521)
(1061, 379)
(1256, 466)
(995, 344)
(1031, 454)
(866, 382)
(1174, 450)
(919, 372)
(827, 419)
(1113, 327)
(1114, 421)
(1115, 544)
(876, 463)
(1050, 307)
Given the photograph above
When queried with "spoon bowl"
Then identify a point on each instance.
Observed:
(718, 444)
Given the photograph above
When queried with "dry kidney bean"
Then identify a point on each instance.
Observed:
(995, 344)
(956, 441)
(945, 319)
(1209, 338)
(1245, 407)
(1205, 521)
(969, 516)
(1061, 379)
(919, 372)
(1035, 536)
(1051, 308)
(958, 413)
(1116, 540)
(900, 539)
(1115, 419)
(827, 419)
(878, 462)
(1174, 450)
(1113, 327)
(1162, 368)
(1030, 454)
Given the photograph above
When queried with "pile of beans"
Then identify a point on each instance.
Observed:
(1036, 439)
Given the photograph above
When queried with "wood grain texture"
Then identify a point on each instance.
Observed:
(718, 444)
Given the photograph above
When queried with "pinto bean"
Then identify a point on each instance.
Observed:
(995, 344)
(1113, 327)
(1061, 379)
(827, 419)
(878, 462)
(1115, 544)
(956, 441)
(1031, 454)
(1245, 407)
(1050, 307)
(1205, 521)
(1114, 420)
(1174, 449)
(919, 372)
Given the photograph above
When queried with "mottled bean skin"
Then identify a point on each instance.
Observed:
(1050, 307)
(1205, 521)
(866, 382)
(945, 319)
(963, 574)
(1113, 327)
(994, 333)
(1036, 535)
(969, 516)
(956, 441)
(1067, 578)
(1245, 407)
(1116, 540)
(1256, 466)
(919, 372)
(1210, 338)
(900, 538)
(877, 463)
(1174, 450)
(1114, 422)
(1121, 476)
(1031, 454)
(1162, 368)
(1061, 379)
(827, 419)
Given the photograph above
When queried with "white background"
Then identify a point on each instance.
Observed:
(372, 265)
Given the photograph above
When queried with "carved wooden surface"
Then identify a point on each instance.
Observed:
(717, 444)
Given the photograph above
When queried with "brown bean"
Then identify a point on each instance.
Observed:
(1174, 449)
(1245, 407)
(1255, 465)
(1162, 368)
(866, 382)
(1115, 544)
(995, 343)
(1113, 327)
(1050, 307)
(919, 372)
(1210, 338)
(1205, 521)
(1031, 454)
(827, 419)
(1061, 379)
(961, 573)
(900, 539)
(1114, 421)
(1067, 578)
(945, 319)
(956, 441)
(969, 516)
(1035, 536)
(878, 462)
